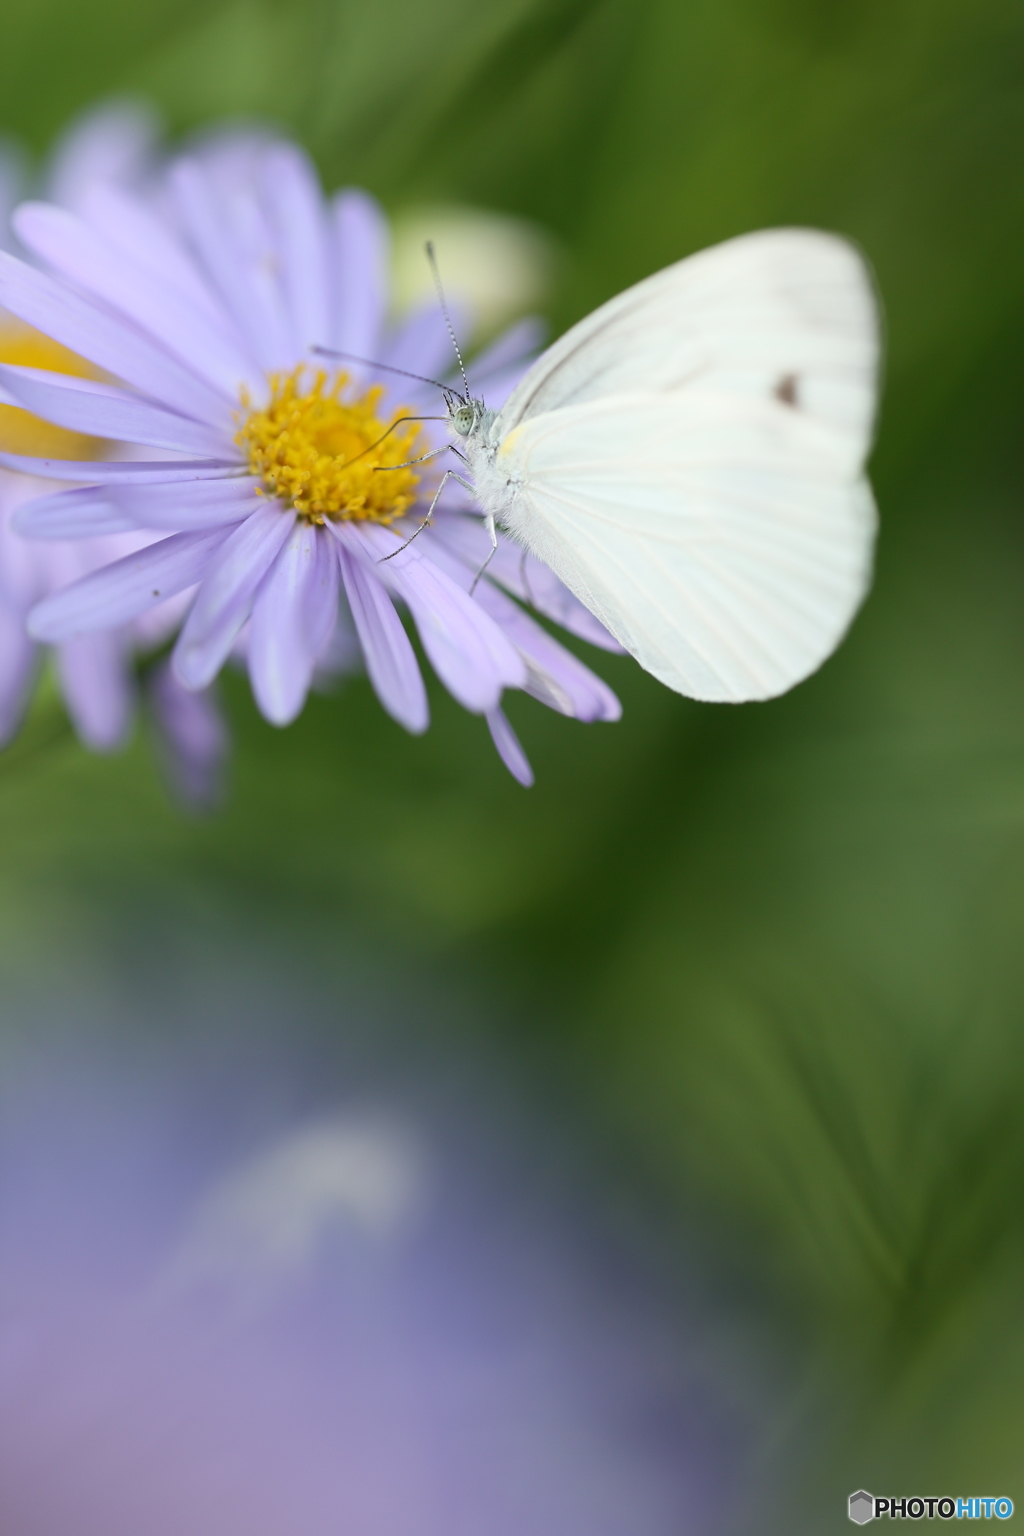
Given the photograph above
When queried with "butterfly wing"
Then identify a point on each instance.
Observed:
(724, 541)
(784, 312)
(689, 460)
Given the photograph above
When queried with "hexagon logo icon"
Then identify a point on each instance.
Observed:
(862, 1507)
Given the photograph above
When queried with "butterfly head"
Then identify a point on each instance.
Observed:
(466, 416)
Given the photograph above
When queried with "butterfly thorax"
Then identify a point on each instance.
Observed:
(471, 424)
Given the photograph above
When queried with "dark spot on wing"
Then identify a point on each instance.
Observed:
(785, 389)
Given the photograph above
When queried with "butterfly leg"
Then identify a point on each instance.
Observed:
(492, 530)
(399, 421)
(449, 474)
(382, 469)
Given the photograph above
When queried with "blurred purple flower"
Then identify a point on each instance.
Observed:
(209, 303)
(191, 739)
(112, 146)
(354, 1326)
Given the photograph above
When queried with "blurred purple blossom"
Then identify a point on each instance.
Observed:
(353, 1322)
(110, 146)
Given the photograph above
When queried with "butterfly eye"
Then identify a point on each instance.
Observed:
(463, 419)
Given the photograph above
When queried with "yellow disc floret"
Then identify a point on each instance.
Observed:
(327, 452)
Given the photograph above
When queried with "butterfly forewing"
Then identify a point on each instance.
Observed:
(786, 311)
(689, 461)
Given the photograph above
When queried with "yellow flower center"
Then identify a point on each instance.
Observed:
(21, 431)
(330, 455)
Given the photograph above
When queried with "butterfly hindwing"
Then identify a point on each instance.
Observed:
(724, 541)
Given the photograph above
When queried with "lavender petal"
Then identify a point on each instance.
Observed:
(322, 605)
(289, 625)
(342, 654)
(544, 591)
(523, 574)
(495, 389)
(509, 749)
(468, 651)
(182, 505)
(110, 597)
(390, 659)
(112, 142)
(105, 339)
(360, 266)
(87, 258)
(554, 676)
(115, 472)
(244, 278)
(514, 346)
(421, 341)
(103, 410)
(85, 513)
(151, 244)
(292, 194)
(260, 273)
(17, 670)
(224, 599)
(13, 176)
(192, 739)
(97, 691)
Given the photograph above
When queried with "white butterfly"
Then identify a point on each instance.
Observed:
(690, 461)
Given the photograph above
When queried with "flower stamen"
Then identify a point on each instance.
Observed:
(320, 451)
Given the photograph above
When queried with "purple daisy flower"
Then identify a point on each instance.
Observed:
(285, 511)
(113, 147)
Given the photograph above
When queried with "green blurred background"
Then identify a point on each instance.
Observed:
(769, 959)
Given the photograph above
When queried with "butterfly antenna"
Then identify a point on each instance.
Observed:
(353, 357)
(431, 257)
